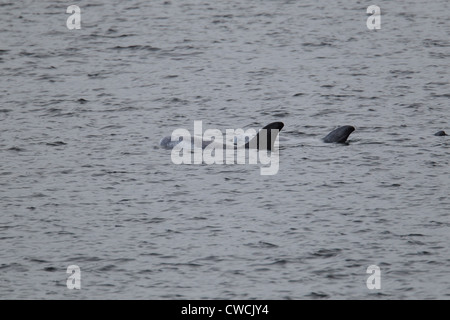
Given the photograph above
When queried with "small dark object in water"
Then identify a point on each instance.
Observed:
(440, 133)
(56, 143)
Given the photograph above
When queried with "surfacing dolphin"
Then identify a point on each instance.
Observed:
(257, 142)
(440, 133)
(339, 135)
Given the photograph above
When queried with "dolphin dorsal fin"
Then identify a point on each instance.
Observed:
(266, 137)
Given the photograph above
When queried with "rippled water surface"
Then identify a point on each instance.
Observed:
(84, 182)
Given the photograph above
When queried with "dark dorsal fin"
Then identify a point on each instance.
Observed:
(339, 135)
(266, 137)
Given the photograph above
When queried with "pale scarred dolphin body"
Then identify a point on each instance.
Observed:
(264, 140)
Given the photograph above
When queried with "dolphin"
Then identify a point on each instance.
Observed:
(259, 140)
(339, 135)
(441, 133)
(264, 139)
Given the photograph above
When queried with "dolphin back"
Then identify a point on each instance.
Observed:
(339, 135)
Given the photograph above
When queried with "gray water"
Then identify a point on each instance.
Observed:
(84, 182)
